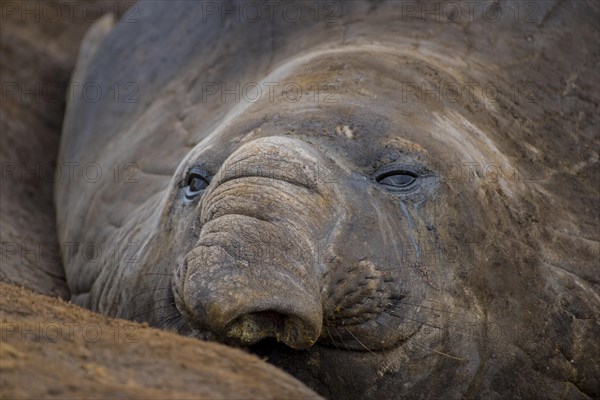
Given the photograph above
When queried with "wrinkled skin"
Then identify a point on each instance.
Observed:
(289, 228)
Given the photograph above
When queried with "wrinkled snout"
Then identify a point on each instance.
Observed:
(255, 271)
(248, 303)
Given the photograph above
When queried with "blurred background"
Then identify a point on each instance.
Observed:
(39, 43)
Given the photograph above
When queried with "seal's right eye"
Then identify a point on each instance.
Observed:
(399, 179)
(195, 182)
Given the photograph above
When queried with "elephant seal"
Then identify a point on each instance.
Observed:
(346, 207)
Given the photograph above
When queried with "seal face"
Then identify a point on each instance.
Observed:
(356, 237)
(271, 259)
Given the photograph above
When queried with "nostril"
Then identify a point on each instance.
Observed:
(252, 327)
(289, 329)
(272, 319)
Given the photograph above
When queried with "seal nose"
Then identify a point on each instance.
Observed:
(255, 271)
(248, 315)
(248, 305)
(295, 330)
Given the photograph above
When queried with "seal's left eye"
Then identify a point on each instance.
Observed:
(195, 182)
(397, 179)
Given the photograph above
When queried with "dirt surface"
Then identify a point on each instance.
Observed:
(53, 349)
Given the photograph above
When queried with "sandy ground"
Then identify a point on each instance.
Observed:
(53, 349)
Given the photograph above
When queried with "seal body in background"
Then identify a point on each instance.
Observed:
(365, 196)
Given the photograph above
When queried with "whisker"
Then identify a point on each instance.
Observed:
(156, 301)
(444, 354)
(174, 321)
(359, 342)
(157, 273)
(422, 346)
(338, 334)
(422, 306)
(161, 323)
(385, 326)
(331, 337)
(427, 324)
(185, 324)
(151, 290)
(154, 309)
(415, 320)
(406, 317)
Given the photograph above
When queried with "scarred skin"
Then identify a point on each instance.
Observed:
(371, 238)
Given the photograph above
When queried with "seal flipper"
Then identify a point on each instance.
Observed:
(90, 43)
